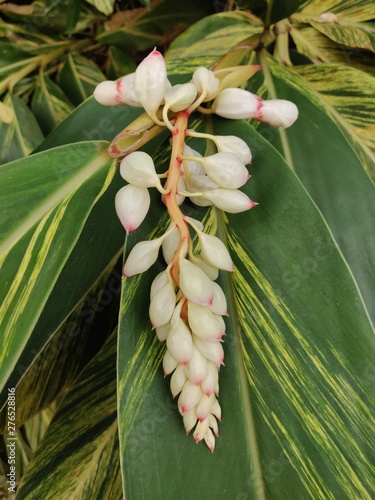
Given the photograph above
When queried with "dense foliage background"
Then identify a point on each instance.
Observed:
(94, 415)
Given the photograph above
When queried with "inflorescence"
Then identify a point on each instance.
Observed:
(186, 304)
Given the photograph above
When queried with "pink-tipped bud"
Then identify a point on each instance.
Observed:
(210, 382)
(195, 284)
(169, 363)
(200, 430)
(105, 93)
(189, 419)
(237, 104)
(138, 168)
(179, 342)
(226, 170)
(180, 96)
(170, 245)
(196, 369)
(141, 257)
(216, 409)
(215, 252)
(204, 323)
(150, 81)
(219, 305)
(209, 439)
(278, 113)
(230, 200)
(206, 81)
(211, 350)
(162, 332)
(233, 144)
(126, 93)
(132, 204)
(162, 305)
(194, 167)
(211, 271)
(189, 397)
(203, 408)
(178, 380)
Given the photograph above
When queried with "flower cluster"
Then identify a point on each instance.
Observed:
(186, 304)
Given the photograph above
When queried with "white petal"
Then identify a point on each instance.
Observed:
(159, 281)
(105, 93)
(194, 167)
(162, 305)
(169, 363)
(180, 343)
(209, 439)
(219, 305)
(178, 380)
(141, 257)
(212, 422)
(132, 204)
(196, 369)
(189, 419)
(125, 91)
(216, 410)
(150, 81)
(211, 380)
(170, 245)
(205, 80)
(226, 170)
(163, 331)
(138, 168)
(215, 252)
(212, 272)
(200, 430)
(278, 113)
(195, 284)
(180, 96)
(205, 323)
(232, 201)
(203, 408)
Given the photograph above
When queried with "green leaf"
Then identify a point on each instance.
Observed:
(359, 35)
(104, 6)
(209, 39)
(19, 137)
(12, 58)
(356, 10)
(294, 390)
(119, 64)
(78, 77)
(49, 103)
(82, 439)
(333, 174)
(34, 245)
(278, 10)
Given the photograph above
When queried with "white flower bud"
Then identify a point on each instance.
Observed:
(162, 306)
(170, 245)
(209, 439)
(197, 184)
(215, 252)
(189, 397)
(205, 323)
(230, 200)
(189, 419)
(278, 113)
(216, 409)
(211, 350)
(194, 167)
(219, 305)
(163, 331)
(203, 408)
(200, 430)
(195, 284)
(233, 144)
(159, 281)
(132, 204)
(181, 186)
(126, 93)
(212, 377)
(180, 96)
(141, 257)
(150, 81)
(205, 80)
(237, 104)
(212, 422)
(178, 380)
(180, 343)
(105, 93)
(226, 170)
(196, 369)
(169, 363)
(138, 168)
(212, 272)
